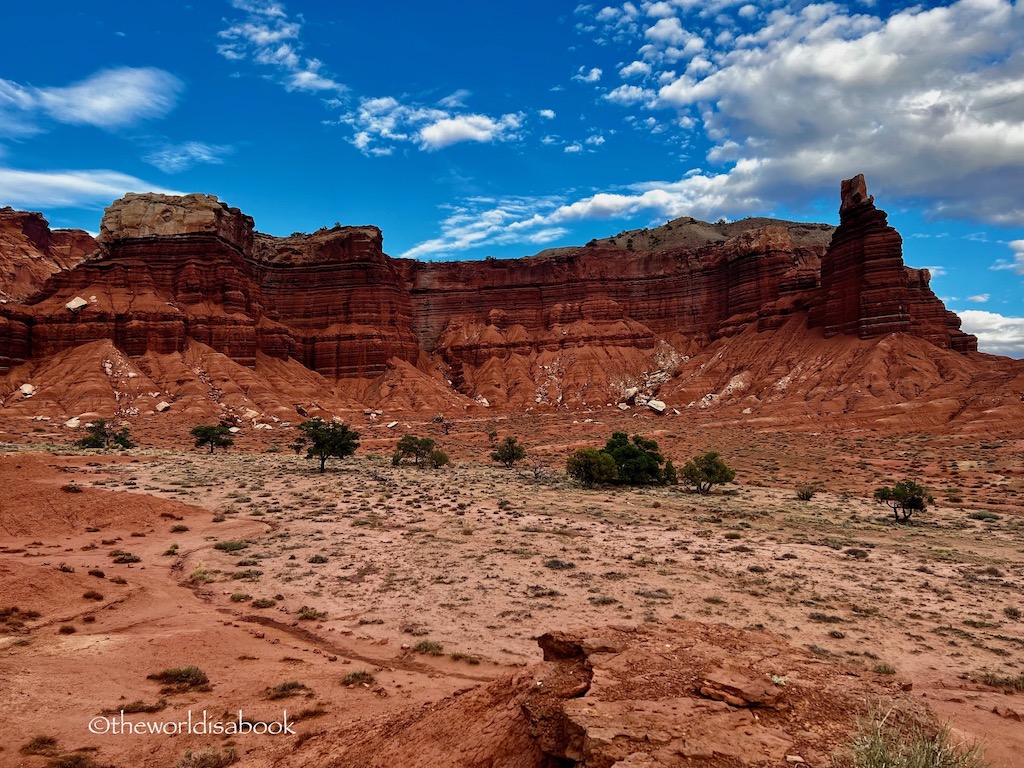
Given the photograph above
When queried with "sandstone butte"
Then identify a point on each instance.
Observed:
(180, 301)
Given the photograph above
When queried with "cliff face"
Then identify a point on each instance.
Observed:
(570, 326)
(30, 252)
(866, 289)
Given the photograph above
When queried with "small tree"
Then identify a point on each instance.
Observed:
(706, 470)
(438, 459)
(104, 434)
(590, 467)
(509, 451)
(212, 435)
(327, 439)
(410, 445)
(638, 461)
(906, 497)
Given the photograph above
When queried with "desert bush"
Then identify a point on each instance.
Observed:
(429, 647)
(213, 435)
(263, 602)
(707, 470)
(883, 743)
(439, 458)
(806, 491)
(637, 461)
(590, 467)
(508, 452)
(40, 745)
(905, 497)
(103, 434)
(211, 757)
(285, 690)
(358, 677)
(182, 678)
(418, 448)
(305, 613)
(230, 546)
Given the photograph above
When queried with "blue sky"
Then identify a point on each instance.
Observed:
(472, 129)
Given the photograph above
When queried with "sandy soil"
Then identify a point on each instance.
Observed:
(358, 566)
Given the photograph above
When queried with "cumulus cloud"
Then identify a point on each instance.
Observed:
(630, 94)
(547, 114)
(479, 128)
(108, 99)
(588, 76)
(815, 93)
(59, 189)
(997, 334)
(268, 36)
(175, 158)
(380, 123)
(979, 298)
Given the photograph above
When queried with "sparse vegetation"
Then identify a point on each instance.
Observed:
(213, 435)
(418, 448)
(590, 467)
(358, 677)
(881, 743)
(285, 690)
(104, 434)
(806, 491)
(707, 470)
(328, 439)
(180, 679)
(508, 452)
(429, 647)
(906, 497)
(211, 757)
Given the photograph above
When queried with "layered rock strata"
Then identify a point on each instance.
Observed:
(572, 325)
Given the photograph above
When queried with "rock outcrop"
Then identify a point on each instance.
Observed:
(568, 327)
(30, 252)
(868, 291)
(678, 694)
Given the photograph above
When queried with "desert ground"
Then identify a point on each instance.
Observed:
(349, 596)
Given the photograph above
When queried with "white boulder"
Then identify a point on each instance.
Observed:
(76, 304)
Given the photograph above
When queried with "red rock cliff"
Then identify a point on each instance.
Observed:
(571, 325)
(868, 291)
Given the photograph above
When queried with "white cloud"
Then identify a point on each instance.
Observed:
(635, 69)
(109, 99)
(547, 114)
(588, 76)
(979, 298)
(997, 334)
(487, 221)
(1017, 265)
(457, 99)
(630, 94)
(270, 38)
(175, 158)
(382, 122)
(479, 128)
(813, 93)
(71, 189)
(573, 148)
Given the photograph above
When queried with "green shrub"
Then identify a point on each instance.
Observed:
(508, 452)
(707, 470)
(358, 677)
(102, 434)
(590, 467)
(285, 690)
(429, 647)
